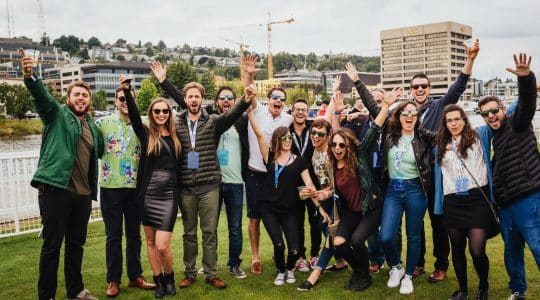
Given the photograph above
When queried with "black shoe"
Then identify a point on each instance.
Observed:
(333, 268)
(170, 289)
(160, 286)
(360, 281)
(482, 295)
(459, 295)
(306, 286)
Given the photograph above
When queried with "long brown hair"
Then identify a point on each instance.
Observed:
(154, 144)
(276, 146)
(350, 156)
(444, 137)
(395, 123)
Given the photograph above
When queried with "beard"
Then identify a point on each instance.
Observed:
(76, 110)
(195, 110)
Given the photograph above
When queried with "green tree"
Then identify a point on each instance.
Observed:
(162, 58)
(121, 57)
(94, 42)
(84, 54)
(236, 85)
(120, 43)
(99, 100)
(212, 62)
(161, 45)
(68, 43)
(178, 73)
(209, 83)
(295, 93)
(17, 99)
(145, 95)
(149, 51)
(186, 48)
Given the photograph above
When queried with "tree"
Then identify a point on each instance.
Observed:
(209, 83)
(295, 93)
(68, 43)
(212, 62)
(148, 44)
(161, 45)
(17, 99)
(186, 48)
(45, 40)
(145, 95)
(120, 43)
(84, 54)
(149, 51)
(130, 49)
(162, 58)
(99, 100)
(120, 57)
(94, 42)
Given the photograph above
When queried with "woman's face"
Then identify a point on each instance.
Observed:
(408, 118)
(339, 147)
(286, 142)
(454, 123)
(160, 113)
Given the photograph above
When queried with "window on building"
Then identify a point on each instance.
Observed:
(413, 52)
(388, 82)
(415, 45)
(390, 48)
(391, 62)
(436, 72)
(436, 57)
(436, 35)
(437, 65)
(436, 50)
(436, 43)
(393, 54)
(413, 59)
(393, 68)
(456, 50)
(413, 67)
(413, 38)
(391, 41)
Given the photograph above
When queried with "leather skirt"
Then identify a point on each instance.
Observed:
(160, 205)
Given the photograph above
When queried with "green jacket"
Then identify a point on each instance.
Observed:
(61, 133)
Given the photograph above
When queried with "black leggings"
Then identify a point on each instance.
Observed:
(477, 248)
(277, 221)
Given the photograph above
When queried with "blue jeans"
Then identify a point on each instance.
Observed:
(232, 194)
(520, 223)
(413, 202)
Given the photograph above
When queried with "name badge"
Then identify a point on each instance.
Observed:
(462, 186)
(193, 160)
(223, 157)
(377, 157)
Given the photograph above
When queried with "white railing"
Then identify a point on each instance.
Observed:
(19, 208)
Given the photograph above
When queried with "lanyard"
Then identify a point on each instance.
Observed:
(305, 142)
(225, 137)
(277, 171)
(125, 141)
(192, 133)
(459, 166)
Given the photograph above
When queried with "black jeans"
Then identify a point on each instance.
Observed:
(278, 221)
(315, 231)
(119, 206)
(441, 242)
(63, 215)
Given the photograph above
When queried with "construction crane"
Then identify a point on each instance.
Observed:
(269, 30)
(242, 47)
(41, 17)
(10, 23)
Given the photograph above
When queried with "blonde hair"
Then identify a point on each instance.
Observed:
(154, 144)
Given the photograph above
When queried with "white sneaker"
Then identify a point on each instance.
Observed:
(280, 279)
(396, 273)
(406, 287)
(516, 296)
(84, 295)
(313, 262)
(200, 271)
(289, 277)
(302, 265)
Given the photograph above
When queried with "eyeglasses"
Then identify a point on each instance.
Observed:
(417, 86)
(158, 111)
(454, 120)
(300, 110)
(228, 97)
(485, 113)
(276, 97)
(318, 133)
(122, 98)
(409, 113)
(284, 138)
(340, 145)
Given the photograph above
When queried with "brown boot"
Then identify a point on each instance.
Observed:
(113, 289)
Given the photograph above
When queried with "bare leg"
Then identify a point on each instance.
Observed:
(153, 255)
(254, 230)
(163, 245)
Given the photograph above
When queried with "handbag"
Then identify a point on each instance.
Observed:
(333, 224)
(495, 229)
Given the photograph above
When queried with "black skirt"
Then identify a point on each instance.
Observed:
(469, 211)
(160, 205)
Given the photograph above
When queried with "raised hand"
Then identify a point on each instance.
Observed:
(523, 66)
(26, 62)
(336, 83)
(338, 102)
(352, 73)
(391, 97)
(249, 64)
(251, 93)
(472, 51)
(159, 71)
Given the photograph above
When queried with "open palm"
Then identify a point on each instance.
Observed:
(523, 66)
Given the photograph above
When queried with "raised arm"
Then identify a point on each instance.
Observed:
(365, 94)
(249, 69)
(226, 120)
(526, 106)
(263, 147)
(134, 116)
(161, 74)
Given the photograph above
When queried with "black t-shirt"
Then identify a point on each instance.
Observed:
(165, 160)
(285, 194)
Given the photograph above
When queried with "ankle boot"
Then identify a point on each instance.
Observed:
(170, 289)
(360, 280)
(160, 286)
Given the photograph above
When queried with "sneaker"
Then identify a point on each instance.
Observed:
(459, 295)
(84, 295)
(359, 281)
(516, 296)
(237, 272)
(482, 295)
(302, 265)
(280, 279)
(396, 273)
(289, 276)
(306, 286)
(313, 262)
(200, 271)
(406, 287)
(436, 276)
(418, 271)
(375, 268)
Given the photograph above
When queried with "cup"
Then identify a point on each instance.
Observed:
(469, 43)
(34, 53)
(303, 195)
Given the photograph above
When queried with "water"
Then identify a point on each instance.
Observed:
(18, 144)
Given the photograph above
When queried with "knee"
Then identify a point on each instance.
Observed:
(338, 241)
(279, 247)
(163, 249)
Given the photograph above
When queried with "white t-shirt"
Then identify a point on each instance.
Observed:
(268, 124)
(452, 168)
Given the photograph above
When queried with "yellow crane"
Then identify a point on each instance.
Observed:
(269, 30)
(242, 47)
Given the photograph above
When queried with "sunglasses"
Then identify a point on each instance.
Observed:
(485, 113)
(340, 145)
(228, 97)
(276, 97)
(455, 120)
(417, 86)
(158, 111)
(122, 98)
(318, 133)
(409, 113)
(284, 138)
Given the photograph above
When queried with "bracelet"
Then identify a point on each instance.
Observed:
(337, 113)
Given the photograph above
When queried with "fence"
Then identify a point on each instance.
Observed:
(19, 209)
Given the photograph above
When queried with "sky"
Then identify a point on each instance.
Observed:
(347, 26)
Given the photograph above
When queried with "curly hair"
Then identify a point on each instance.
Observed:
(444, 137)
(395, 124)
(350, 156)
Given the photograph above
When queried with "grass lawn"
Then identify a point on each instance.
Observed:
(20, 127)
(20, 259)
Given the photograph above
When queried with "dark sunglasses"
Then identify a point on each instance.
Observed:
(276, 97)
(417, 86)
(284, 138)
(340, 145)
(122, 98)
(318, 133)
(228, 97)
(409, 113)
(485, 113)
(158, 111)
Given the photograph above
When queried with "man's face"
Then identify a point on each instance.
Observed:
(79, 100)
(120, 103)
(193, 100)
(319, 136)
(276, 102)
(225, 101)
(378, 96)
(359, 105)
(420, 90)
(493, 114)
(300, 112)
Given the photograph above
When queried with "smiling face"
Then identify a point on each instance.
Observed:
(319, 137)
(79, 100)
(300, 112)
(420, 90)
(454, 123)
(493, 114)
(276, 102)
(160, 113)
(286, 142)
(120, 103)
(378, 96)
(225, 101)
(408, 118)
(193, 98)
(339, 147)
